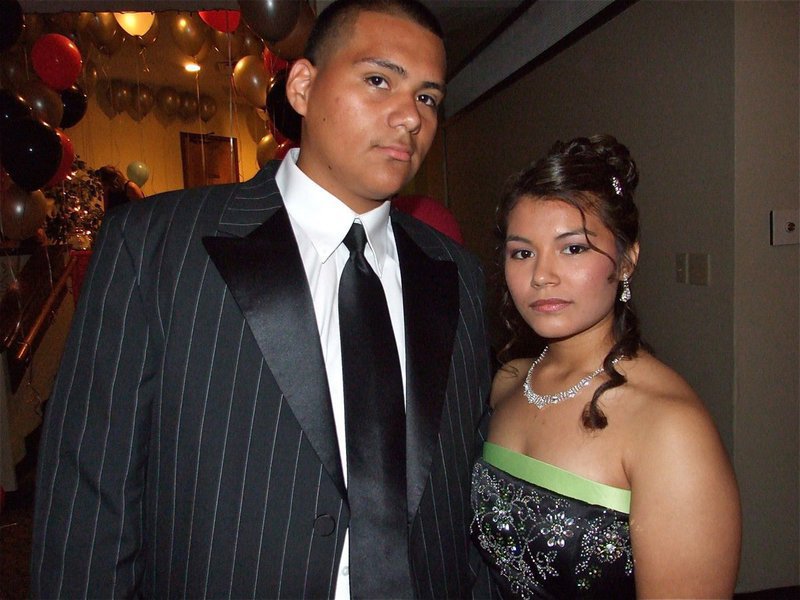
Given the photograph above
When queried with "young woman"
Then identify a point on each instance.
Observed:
(603, 475)
(117, 189)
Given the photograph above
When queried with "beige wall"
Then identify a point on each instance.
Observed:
(100, 140)
(766, 291)
(670, 80)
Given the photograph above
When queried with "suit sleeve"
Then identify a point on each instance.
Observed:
(93, 452)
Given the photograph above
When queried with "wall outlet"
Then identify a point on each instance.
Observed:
(784, 227)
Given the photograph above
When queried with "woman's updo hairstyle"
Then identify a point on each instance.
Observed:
(595, 175)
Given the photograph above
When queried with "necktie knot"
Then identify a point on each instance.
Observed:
(356, 239)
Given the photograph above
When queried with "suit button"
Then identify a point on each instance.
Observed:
(324, 525)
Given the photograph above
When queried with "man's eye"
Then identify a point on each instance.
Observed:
(428, 100)
(377, 81)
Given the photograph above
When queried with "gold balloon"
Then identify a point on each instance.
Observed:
(265, 150)
(208, 108)
(21, 212)
(189, 33)
(46, 104)
(150, 36)
(135, 23)
(251, 79)
(105, 33)
(221, 42)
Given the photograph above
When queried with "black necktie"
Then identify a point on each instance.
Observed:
(375, 430)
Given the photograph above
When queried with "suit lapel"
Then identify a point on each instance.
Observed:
(265, 275)
(431, 307)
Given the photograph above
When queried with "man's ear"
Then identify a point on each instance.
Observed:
(298, 85)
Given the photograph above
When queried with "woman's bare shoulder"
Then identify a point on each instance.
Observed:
(508, 379)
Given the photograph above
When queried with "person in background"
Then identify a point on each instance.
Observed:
(603, 475)
(211, 433)
(117, 189)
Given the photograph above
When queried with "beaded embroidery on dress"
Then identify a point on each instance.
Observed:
(540, 544)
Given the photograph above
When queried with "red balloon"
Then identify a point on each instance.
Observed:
(272, 62)
(283, 148)
(225, 21)
(67, 158)
(56, 60)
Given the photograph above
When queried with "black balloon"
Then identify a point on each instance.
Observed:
(31, 153)
(75, 102)
(12, 107)
(283, 116)
(11, 23)
(272, 20)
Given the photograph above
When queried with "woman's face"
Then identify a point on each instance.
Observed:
(560, 285)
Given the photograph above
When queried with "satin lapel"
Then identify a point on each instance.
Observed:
(265, 275)
(431, 305)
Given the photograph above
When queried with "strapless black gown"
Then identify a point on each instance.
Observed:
(548, 533)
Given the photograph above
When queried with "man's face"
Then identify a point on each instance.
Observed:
(370, 108)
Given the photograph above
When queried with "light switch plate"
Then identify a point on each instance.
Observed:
(784, 227)
(699, 269)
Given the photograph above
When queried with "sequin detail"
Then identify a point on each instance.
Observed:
(545, 544)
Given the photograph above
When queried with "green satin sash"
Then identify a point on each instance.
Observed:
(555, 479)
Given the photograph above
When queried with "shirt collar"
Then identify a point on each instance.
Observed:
(325, 219)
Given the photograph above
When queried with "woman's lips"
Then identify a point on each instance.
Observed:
(549, 305)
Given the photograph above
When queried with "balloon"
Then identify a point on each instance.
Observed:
(188, 107)
(56, 60)
(265, 150)
(75, 102)
(46, 103)
(67, 158)
(250, 79)
(281, 113)
(251, 44)
(270, 19)
(283, 148)
(168, 101)
(189, 33)
(119, 95)
(12, 108)
(21, 212)
(272, 62)
(208, 108)
(12, 69)
(34, 25)
(83, 24)
(292, 46)
(105, 32)
(138, 173)
(88, 78)
(135, 23)
(150, 36)
(224, 21)
(142, 101)
(63, 23)
(222, 42)
(31, 153)
(11, 23)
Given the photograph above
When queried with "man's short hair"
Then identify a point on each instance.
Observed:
(335, 21)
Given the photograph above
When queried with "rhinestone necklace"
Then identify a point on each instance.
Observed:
(542, 400)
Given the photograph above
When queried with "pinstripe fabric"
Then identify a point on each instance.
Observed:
(172, 462)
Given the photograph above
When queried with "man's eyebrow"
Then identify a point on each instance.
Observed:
(387, 64)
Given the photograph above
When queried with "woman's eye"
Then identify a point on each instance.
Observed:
(575, 249)
(520, 254)
(377, 81)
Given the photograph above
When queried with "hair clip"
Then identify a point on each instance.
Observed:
(617, 185)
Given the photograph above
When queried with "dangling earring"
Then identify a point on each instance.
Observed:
(625, 294)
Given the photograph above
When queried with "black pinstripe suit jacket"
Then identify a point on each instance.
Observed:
(189, 447)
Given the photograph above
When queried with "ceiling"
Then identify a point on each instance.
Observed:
(467, 25)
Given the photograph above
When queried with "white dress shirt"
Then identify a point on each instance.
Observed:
(320, 222)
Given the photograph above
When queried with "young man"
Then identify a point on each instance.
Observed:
(198, 441)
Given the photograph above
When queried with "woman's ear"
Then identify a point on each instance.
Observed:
(629, 261)
(298, 85)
